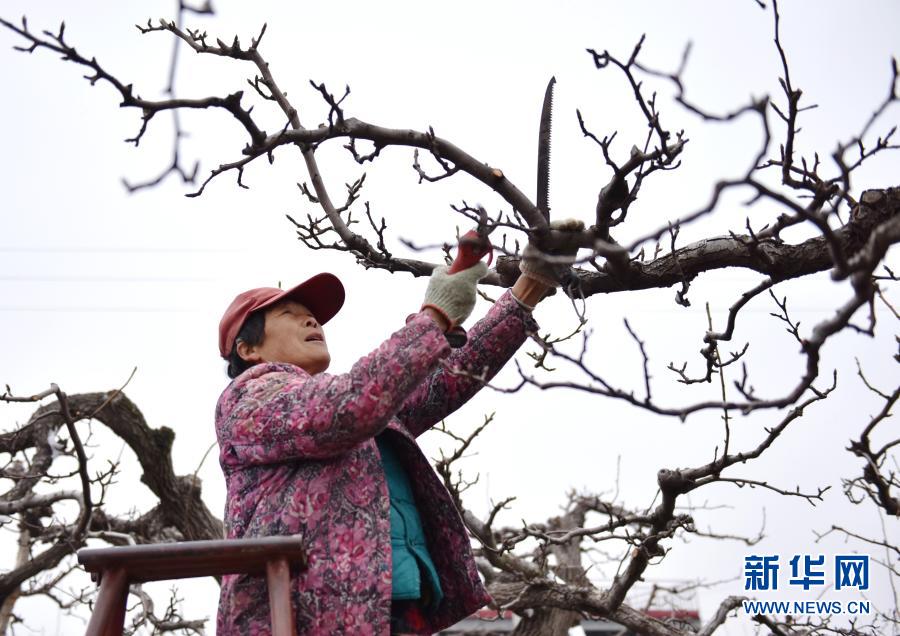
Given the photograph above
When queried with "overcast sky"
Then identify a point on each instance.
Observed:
(94, 282)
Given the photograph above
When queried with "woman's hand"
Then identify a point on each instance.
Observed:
(548, 268)
(452, 296)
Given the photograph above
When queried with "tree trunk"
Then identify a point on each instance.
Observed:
(547, 622)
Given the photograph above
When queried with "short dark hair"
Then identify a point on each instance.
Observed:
(251, 332)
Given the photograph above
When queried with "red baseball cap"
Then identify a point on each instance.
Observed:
(323, 295)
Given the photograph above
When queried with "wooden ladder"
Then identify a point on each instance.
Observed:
(116, 568)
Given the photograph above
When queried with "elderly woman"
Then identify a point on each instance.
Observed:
(334, 458)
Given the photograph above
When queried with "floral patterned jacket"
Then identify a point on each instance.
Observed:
(299, 458)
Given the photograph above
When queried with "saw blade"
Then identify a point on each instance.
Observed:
(543, 166)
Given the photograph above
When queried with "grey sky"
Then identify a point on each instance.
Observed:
(94, 282)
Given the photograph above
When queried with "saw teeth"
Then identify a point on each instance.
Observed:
(544, 135)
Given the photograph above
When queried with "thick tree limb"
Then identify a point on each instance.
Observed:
(181, 506)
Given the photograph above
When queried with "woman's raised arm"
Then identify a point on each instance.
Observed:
(275, 411)
(492, 341)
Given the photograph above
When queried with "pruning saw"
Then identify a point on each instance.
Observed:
(474, 244)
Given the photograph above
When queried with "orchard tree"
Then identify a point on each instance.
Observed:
(547, 571)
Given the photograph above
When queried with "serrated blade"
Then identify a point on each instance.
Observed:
(543, 166)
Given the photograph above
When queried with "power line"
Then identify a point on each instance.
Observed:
(142, 310)
(106, 279)
(126, 250)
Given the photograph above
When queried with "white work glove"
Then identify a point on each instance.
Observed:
(535, 265)
(453, 295)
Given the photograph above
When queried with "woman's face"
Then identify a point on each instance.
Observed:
(292, 335)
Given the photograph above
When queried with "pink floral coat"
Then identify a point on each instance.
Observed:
(299, 458)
